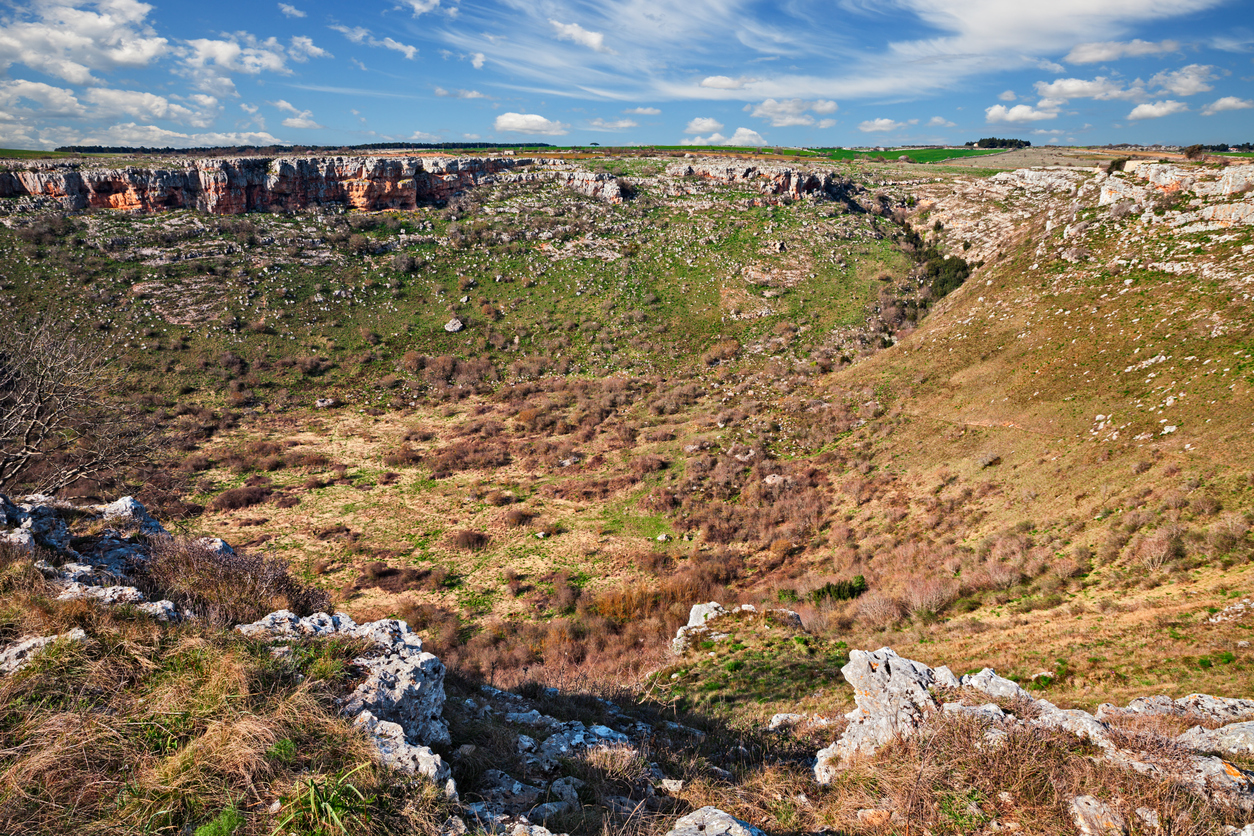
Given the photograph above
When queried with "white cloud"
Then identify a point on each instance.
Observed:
(1050, 132)
(599, 124)
(742, 137)
(826, 123)
(1156, 110)
(722, 82)
(1007, 96)
(143, 105)
(68, 40)
(303, 48)
(423, 136)
(357, 64)
(130, 133)
(530, 123)
(745, 137)
(476, 60)
(576, 33)
(1096, 53)
(879, 125)
(1186, 81)
(643, 111)
(939, 122)
(421, 7)
(789, 112)
(1226, 103)
(1018, 114)
(701, 124)
(298, 119)
(290, 10)
(459, 94)
(471, 136)
(1061, 90)
(361, 35)
(50, 101)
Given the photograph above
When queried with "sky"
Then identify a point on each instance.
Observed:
(574, 72)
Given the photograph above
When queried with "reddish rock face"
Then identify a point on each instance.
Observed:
(237, 185)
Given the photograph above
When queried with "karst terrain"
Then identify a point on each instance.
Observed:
(630, 492)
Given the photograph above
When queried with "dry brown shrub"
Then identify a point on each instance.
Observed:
(223, 588)
(469, 540)
(242, 497)
(878, 610)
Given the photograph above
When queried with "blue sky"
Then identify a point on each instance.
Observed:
(735, 72)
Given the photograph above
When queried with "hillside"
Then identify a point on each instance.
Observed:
(988, 421)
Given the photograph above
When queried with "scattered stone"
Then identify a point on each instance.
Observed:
(454, 325)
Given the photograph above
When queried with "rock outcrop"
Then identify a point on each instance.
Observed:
(771, 180)
(231, 186)
(400, 702)
(699, 629)
(897, 696)
(100, 568)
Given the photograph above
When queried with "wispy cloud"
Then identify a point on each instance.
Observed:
(361, 35)
(1102, 51)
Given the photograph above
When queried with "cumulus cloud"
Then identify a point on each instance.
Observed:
(1097, 52)
(459, 94)
(599, 124)
(423, 136)
(702, 124)
(530, 123)
(131, 133)
(1007, 96)
(1186, 81)
(1227, 103)
(290, 10)
(298, 119)
(476, 60)
(939, 122)
(722, 82)
(790, 112)
(643, 111)
(302, 49)
(49, 101)
(744, 137)
(826, 123)
(1061, 90)
(872, 126)
(143, 105)
(361, 35)
(70, 40)
(1018, 114)
(1155, 110)
(577, 34)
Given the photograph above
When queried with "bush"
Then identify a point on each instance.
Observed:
(225, 588)
(468, 539)
(243, 497)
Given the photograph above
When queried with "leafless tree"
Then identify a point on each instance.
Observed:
(60, 418)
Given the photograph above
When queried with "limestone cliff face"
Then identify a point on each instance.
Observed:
(237, 185)
(778, 181)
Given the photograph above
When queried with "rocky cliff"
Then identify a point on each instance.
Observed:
(236, 185)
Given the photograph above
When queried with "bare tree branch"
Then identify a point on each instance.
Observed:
(59, 419)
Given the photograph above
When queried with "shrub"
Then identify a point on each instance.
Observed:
(879, 611)
(225, 588)
(468, 539)
(242, 497)
(840, 590)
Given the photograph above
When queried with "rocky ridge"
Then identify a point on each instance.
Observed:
(232, 186)
(898, 697)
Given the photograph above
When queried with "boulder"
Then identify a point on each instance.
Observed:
(1093, 817)
(132, 513)
(1235, 739)
(396, 751)
(711, 821)
(892, 698)
(19, 654)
